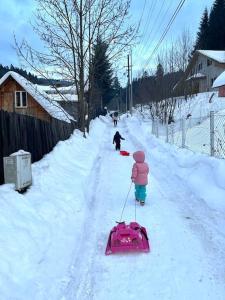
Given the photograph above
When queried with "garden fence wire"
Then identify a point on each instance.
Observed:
(201, 135)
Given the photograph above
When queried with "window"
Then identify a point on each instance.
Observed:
(20, 99)
(212, 80)
(209, 62)
(200, 66)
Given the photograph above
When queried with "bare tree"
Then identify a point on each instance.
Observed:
(184, 47)
(68, 30)
(173, 58)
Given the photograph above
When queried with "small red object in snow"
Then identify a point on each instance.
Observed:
(124, 153)
(127, 238)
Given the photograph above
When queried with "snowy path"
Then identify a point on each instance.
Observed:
(186, 261)
(53, 237)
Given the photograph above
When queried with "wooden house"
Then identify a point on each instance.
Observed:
(204, 67)
(19, 95)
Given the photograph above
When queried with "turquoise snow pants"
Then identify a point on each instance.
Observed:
(140, 192)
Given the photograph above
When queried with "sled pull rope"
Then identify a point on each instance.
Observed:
(125, 202)
(135, 209)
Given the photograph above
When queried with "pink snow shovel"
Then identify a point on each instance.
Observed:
(127, 238)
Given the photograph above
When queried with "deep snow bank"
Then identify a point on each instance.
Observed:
(40, 229)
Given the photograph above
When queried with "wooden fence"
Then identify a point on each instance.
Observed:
(30, 134)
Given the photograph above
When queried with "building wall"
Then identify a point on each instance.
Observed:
(222, 91)
(211, 71)
(7, 101)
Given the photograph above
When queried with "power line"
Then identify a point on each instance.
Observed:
(147, 24)
(157, 18)
(180, 5)
(157, 27)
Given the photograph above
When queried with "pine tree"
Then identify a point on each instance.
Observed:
(159, 72)
(202, 35)
(159, 81)
(216, 37)
(116, 87)
(101, 74)
(116, 90)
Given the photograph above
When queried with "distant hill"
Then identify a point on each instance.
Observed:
(32, 78)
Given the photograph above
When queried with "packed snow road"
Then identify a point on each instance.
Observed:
(53, 238)
(187, 256)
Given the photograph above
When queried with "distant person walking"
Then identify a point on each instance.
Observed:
(116, 140)
(139, 176)
(115, 119)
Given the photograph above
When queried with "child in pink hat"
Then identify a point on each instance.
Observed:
(139, 176)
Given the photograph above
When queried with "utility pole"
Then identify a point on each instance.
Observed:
(128, 76)
(131, 87)
(129, 92)
(126, 101)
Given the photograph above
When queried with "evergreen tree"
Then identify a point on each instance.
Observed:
(116, 87)
(159, 72)
(159, 82)
(116, 91)
(101, 74)
(202, 35)
(216, 37)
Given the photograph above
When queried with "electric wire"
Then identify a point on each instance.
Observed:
(164, 17)
(155, 22)
(147, 24)
(177, 10)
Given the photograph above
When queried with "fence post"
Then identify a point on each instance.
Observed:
(157, 127)
(172, 132)
(183, 132)
(153, 126)
(167, 131)
(212, 133)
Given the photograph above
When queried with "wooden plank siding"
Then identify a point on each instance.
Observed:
(7, 101)
(18, 131)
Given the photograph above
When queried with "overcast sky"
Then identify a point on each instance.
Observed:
(16, 14)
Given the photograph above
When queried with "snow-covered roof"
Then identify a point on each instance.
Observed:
(219, 56)
(196, 76)
(51, 106)
(19, 152)
(220, 80)
(64, 97)
(55, 90)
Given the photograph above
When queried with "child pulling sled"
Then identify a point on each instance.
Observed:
(139, 176)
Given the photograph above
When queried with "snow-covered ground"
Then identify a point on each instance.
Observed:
(198, 106)
(196, 114)
(197, 126)
(53, 237)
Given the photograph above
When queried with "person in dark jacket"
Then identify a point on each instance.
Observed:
(117, 138)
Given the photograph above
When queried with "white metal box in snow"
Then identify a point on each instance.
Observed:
(17, 169)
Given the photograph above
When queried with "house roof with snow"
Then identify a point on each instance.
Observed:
(220, 80)
(196, 76)
(48, 104)
(217, 55)
(63, 90)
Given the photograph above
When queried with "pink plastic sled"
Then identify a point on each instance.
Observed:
(127, 238)
(124, 153)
